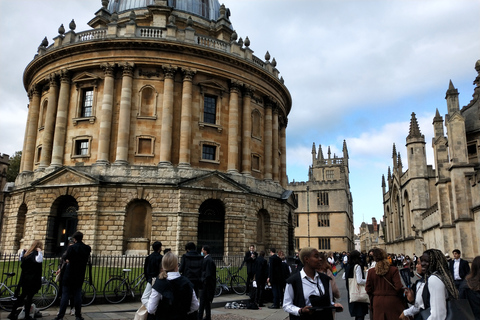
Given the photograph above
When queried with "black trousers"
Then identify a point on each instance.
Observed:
(206, 298)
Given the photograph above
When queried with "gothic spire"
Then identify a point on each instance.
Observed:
(345, 150)
(320, 152)
(394, 152)
(399, 160)
(389, 174)
(329, 152)
(383, 181)
(414, 128)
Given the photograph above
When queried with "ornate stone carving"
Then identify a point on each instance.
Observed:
(52, 79)
(127, 68)
(188, 74)
(34, 90)
(235, 86)
(72, 25)
(149, 74)
(61, 29)
(169, 71)
(108, 69)
(248, 91)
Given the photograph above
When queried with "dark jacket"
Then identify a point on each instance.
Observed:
(31, 276)
(176, 298)
(275, 269)
(299, 298)
(261, 271)
(77, 255)
(463, 269)
(472, 296)
(209, 273)
(191, 266)
(153, 264)
(249, 261)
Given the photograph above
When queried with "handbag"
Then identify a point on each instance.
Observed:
(356, 292)
(456, 309)
(141, 313)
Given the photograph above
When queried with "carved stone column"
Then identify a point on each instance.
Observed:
(104, 135)
(47, 141)
(275, 158)
(167, 117)
(124, 116)
(283, 152)
(28, 154)
(268, 141)
(233, 128)
(247, 131)
(186, 118)
(61, 122)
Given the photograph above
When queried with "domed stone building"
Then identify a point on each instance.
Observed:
(159, 123)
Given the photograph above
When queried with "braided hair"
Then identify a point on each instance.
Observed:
(439, 265)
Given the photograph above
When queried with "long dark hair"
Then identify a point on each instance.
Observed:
(439, 264)
(354, 258)
(473, 278)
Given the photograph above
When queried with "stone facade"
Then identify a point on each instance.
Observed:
(325, 211)
(156, 124)
(438, 208)
(371, 236)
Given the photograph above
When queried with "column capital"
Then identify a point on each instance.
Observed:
(283, 121)
(127, 68)
(235, 86)
(64, 76)
(169, 71)
(188, 74)
(248, 90)
(34, 90)
(108, 69)
(52, 79)
(268, 101)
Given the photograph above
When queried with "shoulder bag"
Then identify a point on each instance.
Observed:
(357, 291)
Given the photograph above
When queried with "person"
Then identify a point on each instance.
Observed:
(275, 277)
(209, 274)
(344, 259)
(384, 288)
(414, 295)
(459, 268)
(191, 266)
(261, 274)
(30, 278)
(298, 263)
(371, 260)
(326, 268)
(286, 271)
(331, 259)
(172, 294)
(470, 288)
(439, 285)
(356, 309)
(77, 256)
(61, 268)
(153, 263)
(308, 289)
(249, 260)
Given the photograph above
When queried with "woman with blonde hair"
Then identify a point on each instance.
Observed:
(384, 288)
(172, 294)
(30, 278)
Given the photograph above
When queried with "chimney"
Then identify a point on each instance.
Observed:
(375, 226)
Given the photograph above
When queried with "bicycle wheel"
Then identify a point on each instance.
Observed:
(46, 296)
(141, 287)
(6, 302)
(218, 289)
(115, 290)
(238, 285)
(89, 293)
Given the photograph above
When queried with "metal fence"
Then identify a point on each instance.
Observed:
(103, 267)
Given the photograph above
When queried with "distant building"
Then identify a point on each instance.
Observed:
(372, 235)
(437, 208)
(158, 123)
(324, 217)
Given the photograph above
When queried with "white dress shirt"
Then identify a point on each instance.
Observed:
(156, 296)
(310, 287)
(418, 304)
(456, 269)
(438, 298)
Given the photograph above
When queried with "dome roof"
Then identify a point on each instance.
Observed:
(209, 9)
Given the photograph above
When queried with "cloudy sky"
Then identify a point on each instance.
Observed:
(356, 71)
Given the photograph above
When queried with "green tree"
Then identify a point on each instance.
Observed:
(14, 167)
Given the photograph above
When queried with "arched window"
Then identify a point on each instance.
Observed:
(43, 114)
(256, 124)
(147, 103)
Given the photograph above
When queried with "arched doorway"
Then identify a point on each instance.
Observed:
(20, 227)
(211, 225)
(263, 227)
(62, 224)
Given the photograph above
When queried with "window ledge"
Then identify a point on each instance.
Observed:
(89, 119)
(210, 161)
(76, 156)
(144, 155)
(211, 125)
(147, 117)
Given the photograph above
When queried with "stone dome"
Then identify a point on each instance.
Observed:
(209, 9)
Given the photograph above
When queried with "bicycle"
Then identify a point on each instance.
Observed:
(237, 283)
(89, 292)
(117, 288)
(7, 293)
(48, 293)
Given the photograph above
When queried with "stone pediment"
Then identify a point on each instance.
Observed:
(214, 181)
(65, 177)
(211, 84)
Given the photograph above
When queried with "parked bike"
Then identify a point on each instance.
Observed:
(237, 283)
(117, 288)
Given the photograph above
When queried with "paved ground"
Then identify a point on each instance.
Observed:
(126, 311)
